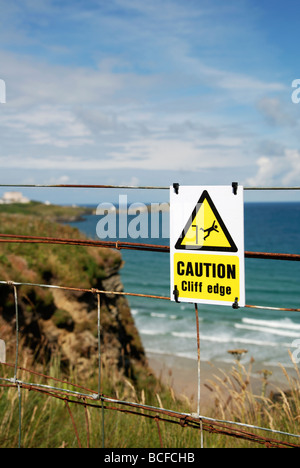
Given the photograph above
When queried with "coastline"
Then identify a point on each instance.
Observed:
(181, 374)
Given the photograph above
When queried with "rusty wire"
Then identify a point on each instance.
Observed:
(124, 293)
(138, 187)
(158, 414)
(16, 238)
(184, 419)
(20, 239)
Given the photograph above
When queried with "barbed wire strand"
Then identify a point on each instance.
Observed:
(94, 396)
(130, 187)
(185, 419)
(140, 246)
(124, 293)
(118, 245)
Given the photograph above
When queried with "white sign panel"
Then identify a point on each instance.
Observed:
(207, 245)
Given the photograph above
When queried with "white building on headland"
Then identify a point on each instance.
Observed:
(13, 197)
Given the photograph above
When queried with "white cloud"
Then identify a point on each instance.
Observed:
(292, 175)
(49, 125)
(281, 171)
(277, 113)
(242, 85)
(267, 169)
(107, 114)
(144, 85)
(34, 82)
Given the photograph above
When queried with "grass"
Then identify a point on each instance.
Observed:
(48, 422)
(40, 262)
(235, 400)
(50, 212)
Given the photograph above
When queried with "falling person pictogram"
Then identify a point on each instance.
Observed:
(205, 229)
(214, 227)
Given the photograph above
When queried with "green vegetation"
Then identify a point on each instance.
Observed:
(63, 319)
(53, 422)
(51, 212)
(34, 262)
(48, 422)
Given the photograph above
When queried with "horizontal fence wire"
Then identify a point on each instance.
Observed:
(122, 293)
(138, 187)
(193, 420)
(10, 238)
(16, 238)
(103, 402)
(210, 425)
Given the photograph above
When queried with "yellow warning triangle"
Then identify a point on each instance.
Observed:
(205, 229)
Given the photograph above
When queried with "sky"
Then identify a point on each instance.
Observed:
(132, 92)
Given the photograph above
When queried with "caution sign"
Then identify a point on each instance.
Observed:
(205, 229)
(207, 245)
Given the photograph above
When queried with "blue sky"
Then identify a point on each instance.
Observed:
(149, 93)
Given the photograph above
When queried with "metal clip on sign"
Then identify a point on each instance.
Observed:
(176, 294)
(176, 187)
(235, 187)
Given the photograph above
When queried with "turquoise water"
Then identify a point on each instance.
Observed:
(170, 328)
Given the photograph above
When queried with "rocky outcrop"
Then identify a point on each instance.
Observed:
(63, 322)
(72, 330)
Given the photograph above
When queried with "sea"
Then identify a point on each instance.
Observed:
(169, 328)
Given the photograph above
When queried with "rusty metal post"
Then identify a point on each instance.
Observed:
(199, 373)
(198, 359)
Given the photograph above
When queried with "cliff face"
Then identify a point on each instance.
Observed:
(57, 321)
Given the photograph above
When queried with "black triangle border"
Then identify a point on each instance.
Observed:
(232, 248)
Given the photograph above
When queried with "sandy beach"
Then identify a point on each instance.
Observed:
(182, 375)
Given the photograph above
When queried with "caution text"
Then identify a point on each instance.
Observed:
(207, 277)
(207, 269)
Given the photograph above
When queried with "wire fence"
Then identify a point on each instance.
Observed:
(95, 398)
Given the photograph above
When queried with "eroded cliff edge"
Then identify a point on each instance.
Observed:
(63, 322)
